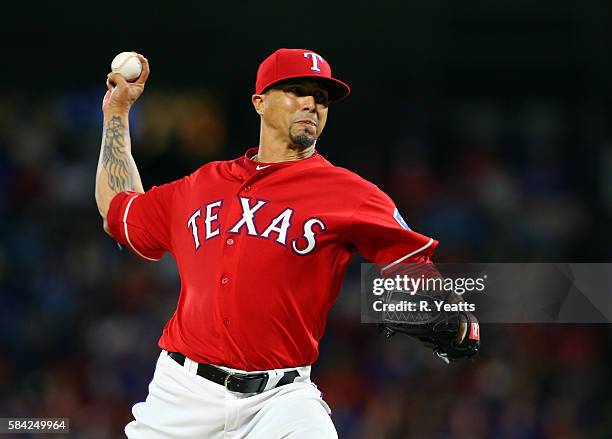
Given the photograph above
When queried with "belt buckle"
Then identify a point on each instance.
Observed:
(229, 375)
(244, 382)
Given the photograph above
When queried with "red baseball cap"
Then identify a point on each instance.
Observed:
(298, 63)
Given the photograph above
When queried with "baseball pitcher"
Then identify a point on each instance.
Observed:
(261, 243)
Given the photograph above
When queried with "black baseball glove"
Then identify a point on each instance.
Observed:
(452, 335)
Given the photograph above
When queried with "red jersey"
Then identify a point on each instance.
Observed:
(261, 249)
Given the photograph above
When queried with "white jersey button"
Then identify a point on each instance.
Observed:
(224, 280)
(229, 241)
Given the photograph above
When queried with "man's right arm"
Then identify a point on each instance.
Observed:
(117, 171)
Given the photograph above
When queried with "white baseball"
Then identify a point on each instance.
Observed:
(128, 65)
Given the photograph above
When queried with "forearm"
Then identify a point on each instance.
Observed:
(117, 171)
(421, 266)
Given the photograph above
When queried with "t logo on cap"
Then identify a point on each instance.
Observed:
(315, 61)
(289, 64)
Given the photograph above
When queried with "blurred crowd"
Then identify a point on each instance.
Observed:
(492, 179)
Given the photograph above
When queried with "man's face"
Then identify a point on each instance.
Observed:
(296, 109)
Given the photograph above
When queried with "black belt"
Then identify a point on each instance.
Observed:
(236, 382)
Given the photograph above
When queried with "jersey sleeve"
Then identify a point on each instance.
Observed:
(141, 221)
(382, 236)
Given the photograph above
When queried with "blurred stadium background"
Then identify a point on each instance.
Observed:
(488, 123)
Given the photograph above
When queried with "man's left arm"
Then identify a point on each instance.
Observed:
(383, 237)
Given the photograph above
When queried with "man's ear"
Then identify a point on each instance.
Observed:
(258, 103)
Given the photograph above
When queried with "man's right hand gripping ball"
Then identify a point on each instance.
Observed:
(122, 94)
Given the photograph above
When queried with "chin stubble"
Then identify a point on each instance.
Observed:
(303, 140)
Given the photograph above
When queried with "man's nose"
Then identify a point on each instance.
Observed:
(309, 103)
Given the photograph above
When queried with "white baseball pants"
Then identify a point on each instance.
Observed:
(184, 405)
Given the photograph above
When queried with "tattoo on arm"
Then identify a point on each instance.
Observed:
(115, 156)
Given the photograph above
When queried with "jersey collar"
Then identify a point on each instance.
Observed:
(255, 167)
